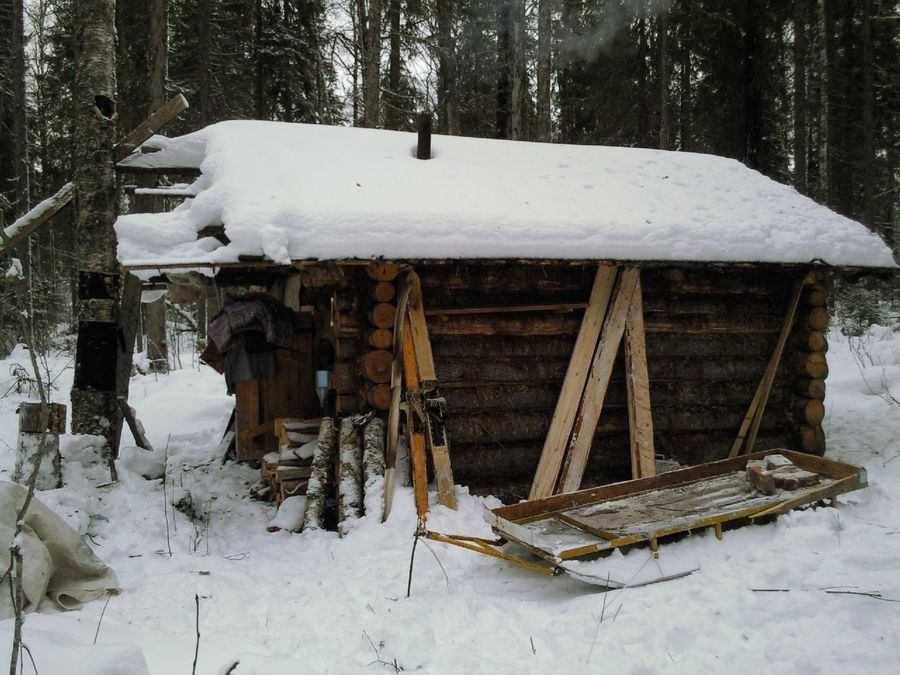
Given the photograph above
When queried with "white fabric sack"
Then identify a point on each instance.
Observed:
(55, 559)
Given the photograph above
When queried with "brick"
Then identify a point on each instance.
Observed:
(793, 478)
(777, 461)
(761, 479)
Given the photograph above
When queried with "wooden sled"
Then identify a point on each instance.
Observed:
(563, 528)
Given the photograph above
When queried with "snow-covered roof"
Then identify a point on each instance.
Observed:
(297, 191)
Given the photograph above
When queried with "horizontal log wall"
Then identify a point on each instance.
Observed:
(709, 336)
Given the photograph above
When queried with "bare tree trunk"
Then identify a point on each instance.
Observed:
(544, 127)
(665, 113)
(142, 66)
(448, 104)
(259, 102)
(393, 103)
(504, 67)
(372, 88)
(801, 48)
(13, 122)
(518, 122)
(94, 403)
(155, 327)
(20, 120)
(684, 107)
(837, 28)
(205, 67)
(868, 118)
(643, 121)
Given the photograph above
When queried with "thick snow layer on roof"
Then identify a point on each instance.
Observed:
(296, 191)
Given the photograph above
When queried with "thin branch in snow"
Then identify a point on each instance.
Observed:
(102, 612)
(440, 564)
(197, 625)
(412, 559)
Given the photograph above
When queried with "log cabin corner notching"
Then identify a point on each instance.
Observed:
(328, 220)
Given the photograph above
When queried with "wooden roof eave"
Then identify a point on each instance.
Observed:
(850, 270)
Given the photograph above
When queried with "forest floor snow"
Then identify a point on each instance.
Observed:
(315, 603)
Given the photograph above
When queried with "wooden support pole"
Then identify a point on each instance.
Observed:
(573, 385)
(169, 111)
(750, 425)
(637, 383)
(36, 217)
(393, 425)
(419, 331)
(137, 429)
(588, 415)
(416, 425)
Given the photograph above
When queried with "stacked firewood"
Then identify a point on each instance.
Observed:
(332, 463)
(286, 473)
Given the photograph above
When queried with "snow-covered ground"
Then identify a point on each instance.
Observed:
(315, 603)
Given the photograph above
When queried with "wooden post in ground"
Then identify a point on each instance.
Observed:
(637, 383)
(34, 420)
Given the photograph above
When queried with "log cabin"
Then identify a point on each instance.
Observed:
(734, 273)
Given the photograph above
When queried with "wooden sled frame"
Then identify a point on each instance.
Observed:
(510, 523)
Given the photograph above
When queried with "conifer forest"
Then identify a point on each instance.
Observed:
(805, 91)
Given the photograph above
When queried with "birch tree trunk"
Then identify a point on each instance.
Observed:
(94, 404)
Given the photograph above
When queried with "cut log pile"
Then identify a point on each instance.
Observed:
(286, 473)
(332, 463)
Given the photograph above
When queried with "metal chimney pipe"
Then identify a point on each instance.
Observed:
(423, 150)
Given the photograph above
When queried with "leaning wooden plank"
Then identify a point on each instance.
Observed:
(349, 494)
(246, 419)
(419, 331)
(752, 419)
(137, 429)
(573, 385)
(320, 478)
(36, 217)
(436, 439)
(591, 405)
(393, 426)
(172, 108)
(415, 424)
(637, 383)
